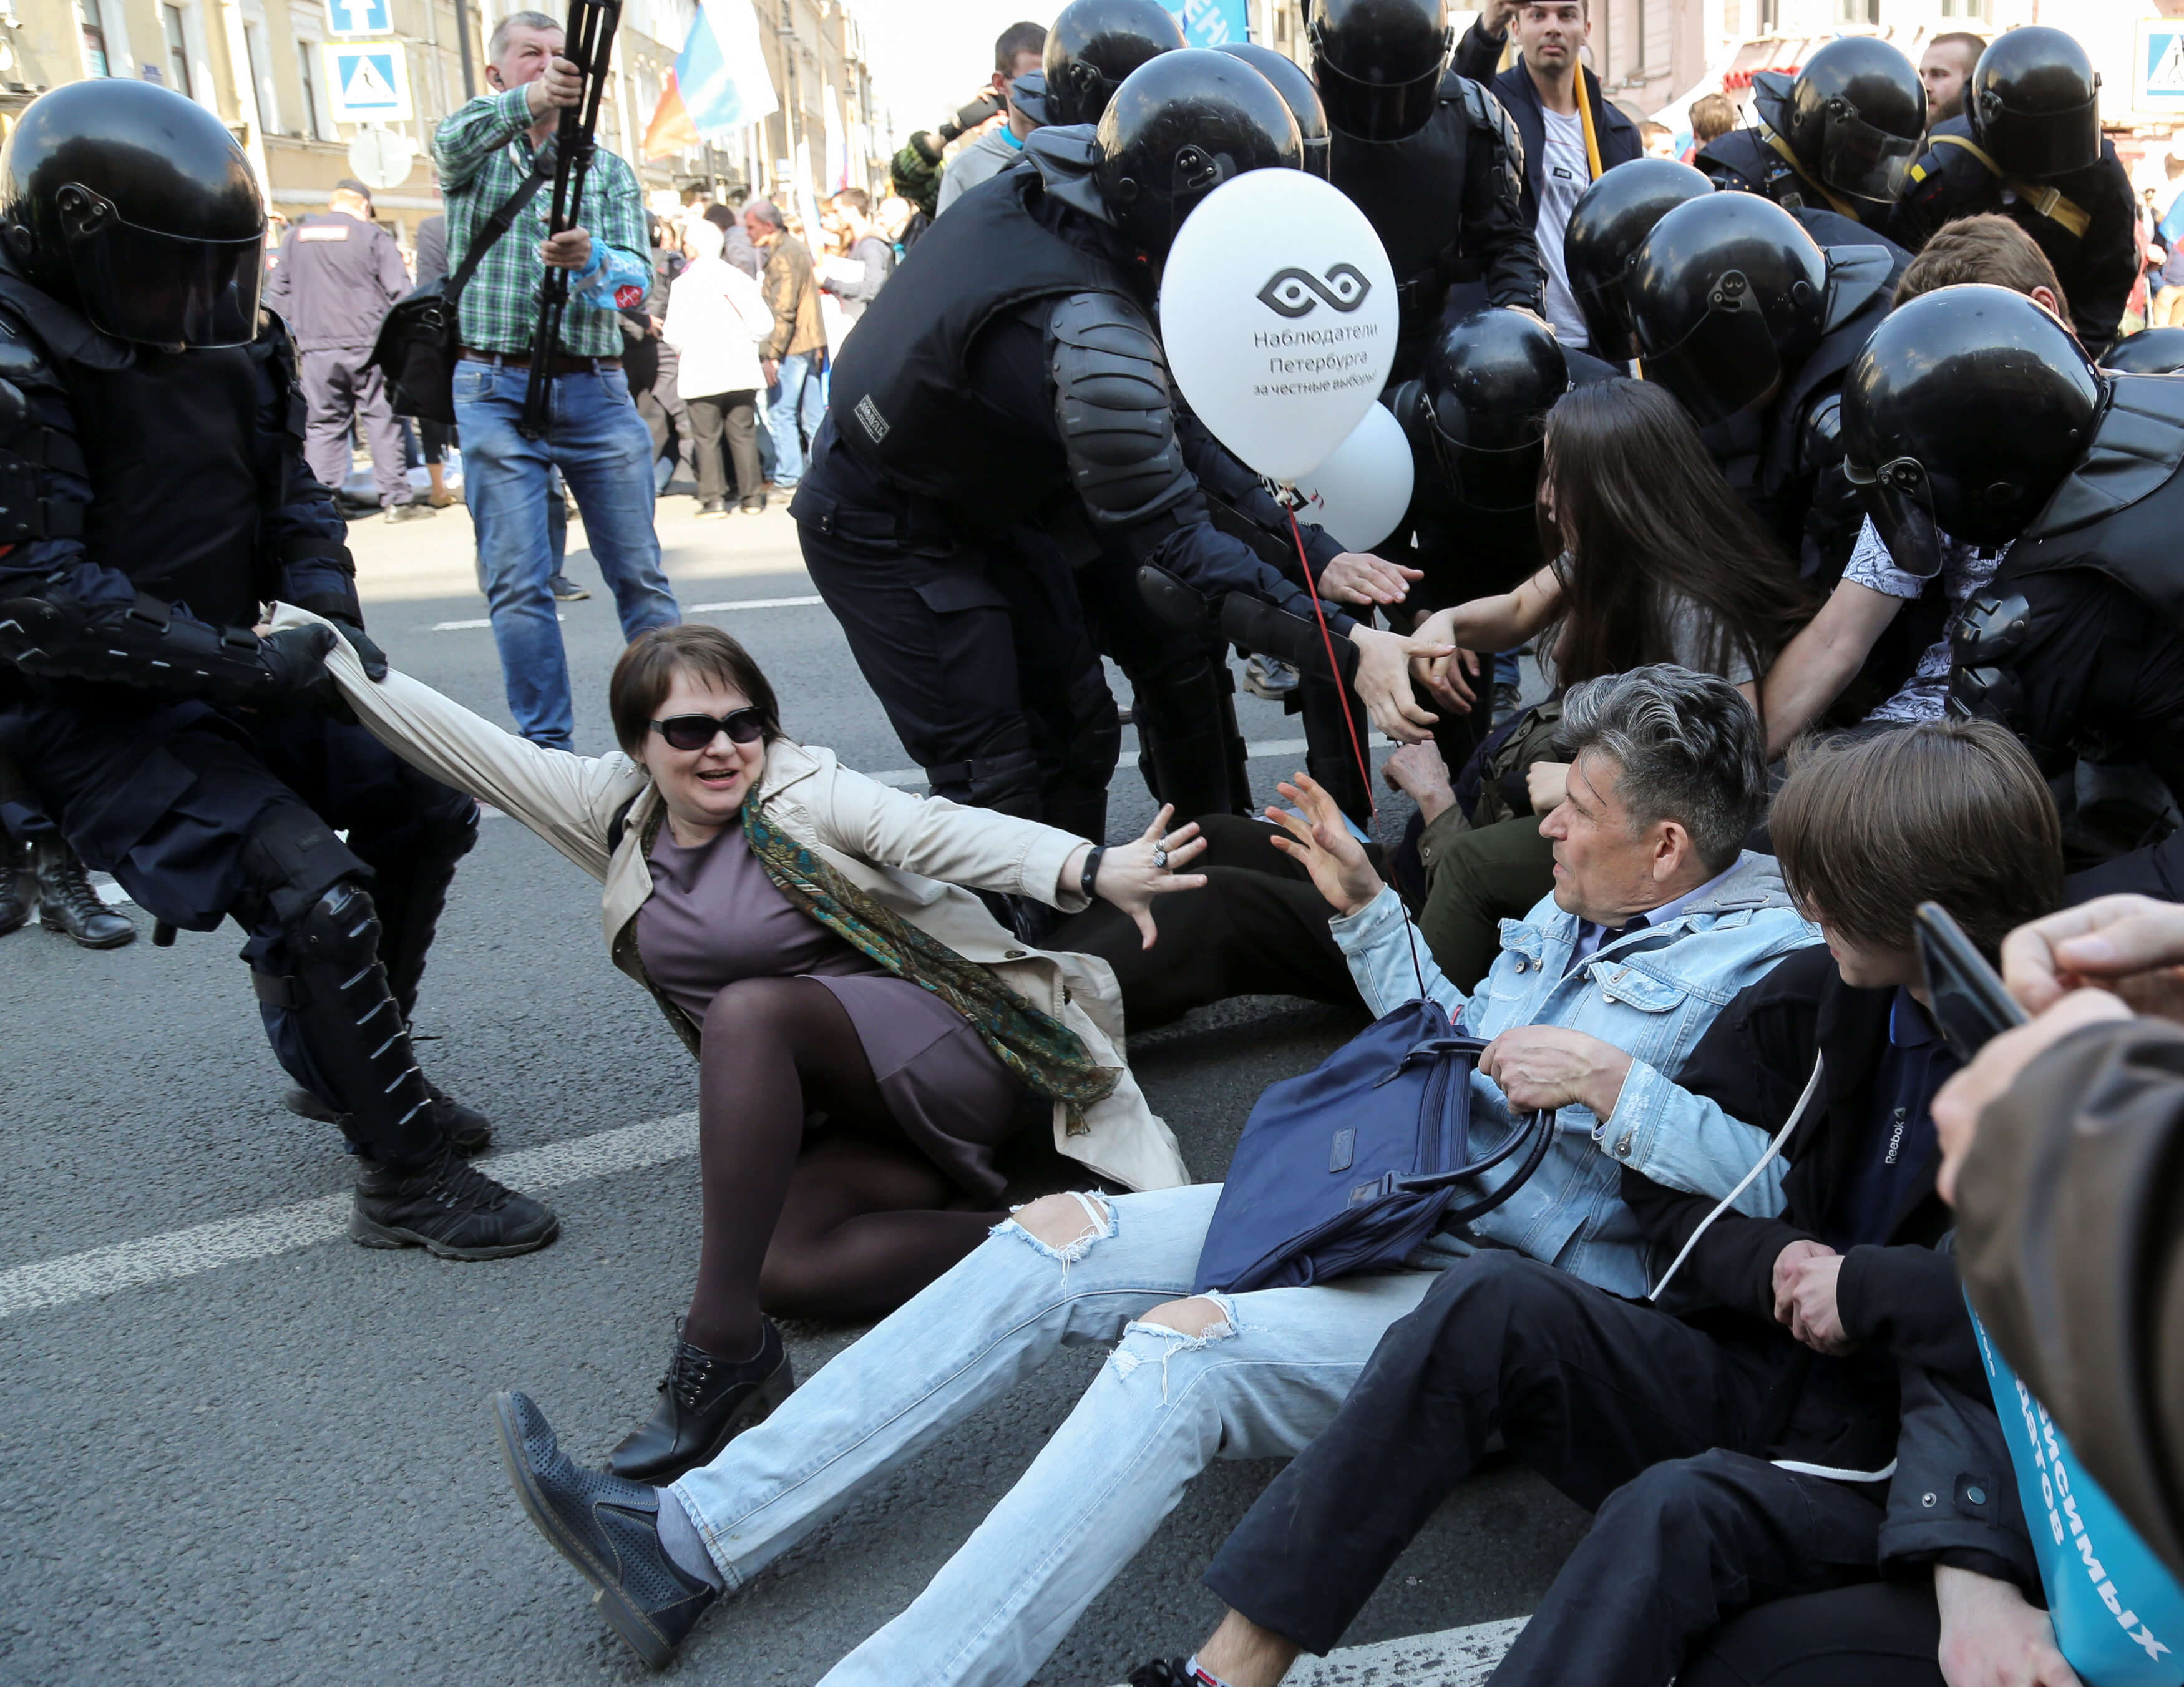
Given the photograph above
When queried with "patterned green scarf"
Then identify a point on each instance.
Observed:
(1045, 1053)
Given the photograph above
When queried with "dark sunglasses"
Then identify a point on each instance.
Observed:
(695, 732)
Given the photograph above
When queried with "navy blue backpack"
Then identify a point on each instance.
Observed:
(1351, 1166)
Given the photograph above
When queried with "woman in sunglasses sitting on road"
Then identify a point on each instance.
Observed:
(813, 937)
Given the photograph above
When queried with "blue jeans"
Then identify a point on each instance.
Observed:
(595, 436)
(795, 382)
(1261, 1385)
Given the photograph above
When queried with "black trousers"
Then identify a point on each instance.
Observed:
(202, 816)
(1872, 1635)
(1258, 928)
(982, 659)
(734, 415)
(1631, 1413)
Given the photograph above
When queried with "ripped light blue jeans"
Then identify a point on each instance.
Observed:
(1259, 1385)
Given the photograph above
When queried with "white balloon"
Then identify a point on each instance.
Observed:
(1360, 493)
(1277, 315)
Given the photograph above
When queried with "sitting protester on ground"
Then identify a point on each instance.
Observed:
(1881, 642)
(1657, 917)
(803, 930)
(1658, 562)
(1777, 1415)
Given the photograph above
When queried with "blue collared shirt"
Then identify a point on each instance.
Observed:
(1590, 936)
(1899, 1143)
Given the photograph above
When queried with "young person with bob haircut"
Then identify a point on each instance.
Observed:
(1797, 1409)
(1658, 917)
(1656, 561)
(813, 938)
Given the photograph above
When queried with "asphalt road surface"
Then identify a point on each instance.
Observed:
(235, 1448)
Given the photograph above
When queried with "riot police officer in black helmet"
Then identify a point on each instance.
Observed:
(1429, 157)
(1607, 225)
(1972, 414)
(1297, 93)
(1739, 314)
(154, 500)
(1005, 419)
(2150, 351)
(2030, 147)
(1841, 134)
(1093, 45)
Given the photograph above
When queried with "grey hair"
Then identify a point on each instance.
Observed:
(498, 44)
(1688, 744)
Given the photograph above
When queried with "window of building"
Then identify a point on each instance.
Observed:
(1861, 11)
(178, 51)
(261, 78)
(94, 40)
(306, 79)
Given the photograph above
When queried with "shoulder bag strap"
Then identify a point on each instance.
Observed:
(497, 225)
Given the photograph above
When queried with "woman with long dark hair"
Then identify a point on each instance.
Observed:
(1656, 560)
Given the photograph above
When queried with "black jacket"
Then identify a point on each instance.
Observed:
(2088, 233)
(1915, 1387)
(1476, 56)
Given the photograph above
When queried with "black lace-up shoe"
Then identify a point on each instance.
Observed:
(608, 1528)
(469, 1130)
(1164, 1672)
(67, 903)
(14, 903)
(449, 1207)
(704, 1402)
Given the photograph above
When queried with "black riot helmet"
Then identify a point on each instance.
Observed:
(1094, 46)
(1607, 225)
(2034, 104)
(1854, 115)
(1490, 382)
(1378, 64)
(1297, 93)
(138, 207)
(1179, 126)
(1726, 293)
(1966, 410)
(2150, 351)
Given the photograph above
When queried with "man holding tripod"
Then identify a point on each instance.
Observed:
(488, 152)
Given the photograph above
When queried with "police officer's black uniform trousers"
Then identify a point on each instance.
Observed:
(202, 815)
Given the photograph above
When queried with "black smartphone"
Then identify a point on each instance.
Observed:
(1971, 1003)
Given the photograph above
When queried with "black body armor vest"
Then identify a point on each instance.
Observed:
(901, 399)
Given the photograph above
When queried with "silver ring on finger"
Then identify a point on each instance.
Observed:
(1160, 856)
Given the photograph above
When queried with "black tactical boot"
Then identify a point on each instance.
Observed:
(448, 1206)
(15, 898)
(469, 1130)
(608, 1528)
(67, 903)
(704, 1402)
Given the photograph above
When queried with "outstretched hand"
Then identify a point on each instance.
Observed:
(1337, 862)
(1132, 875)
(1384, 681)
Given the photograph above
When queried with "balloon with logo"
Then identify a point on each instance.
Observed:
(1360, 493)
(1277, 315)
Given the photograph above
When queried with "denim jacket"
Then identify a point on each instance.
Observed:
(1651, 993)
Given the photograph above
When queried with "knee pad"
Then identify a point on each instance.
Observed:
(291, 858)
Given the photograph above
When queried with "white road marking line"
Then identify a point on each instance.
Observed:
(1455, 1658)
(753, 603)
(304, 1224)
(471, 626)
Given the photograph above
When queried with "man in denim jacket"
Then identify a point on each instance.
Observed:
(1658, 920)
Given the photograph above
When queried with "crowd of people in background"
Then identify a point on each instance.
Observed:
(1792, 555)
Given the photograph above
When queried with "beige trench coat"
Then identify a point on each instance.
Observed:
(912, 854)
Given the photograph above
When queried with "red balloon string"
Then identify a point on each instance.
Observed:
(1335, 668)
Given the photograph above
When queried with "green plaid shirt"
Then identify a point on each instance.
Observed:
(484, 152)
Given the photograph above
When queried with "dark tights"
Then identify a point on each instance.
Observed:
(849, 1227)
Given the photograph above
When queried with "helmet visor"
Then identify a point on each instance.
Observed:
(140, 284)
(1373, 111)
(1491, 482)
(1728, 360)
(1864, 162)
(1897, 496)
(2040, 144)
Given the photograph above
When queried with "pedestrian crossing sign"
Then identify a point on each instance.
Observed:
(369, 80)
(2159, 85)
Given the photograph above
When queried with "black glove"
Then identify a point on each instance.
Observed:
(367, 651)
(294, 661)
